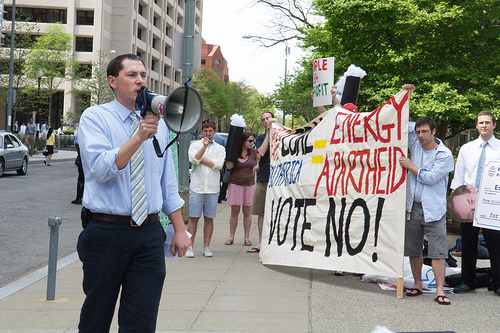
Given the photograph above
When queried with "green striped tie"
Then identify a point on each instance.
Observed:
(138, 186)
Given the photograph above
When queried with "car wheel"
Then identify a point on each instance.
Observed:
(24, 167)
(2, 167)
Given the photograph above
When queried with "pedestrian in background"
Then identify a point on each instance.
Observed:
(30, 136)
(241, 187)
(50, 141)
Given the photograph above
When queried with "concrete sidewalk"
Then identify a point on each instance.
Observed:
(60, 155)
(234, 292)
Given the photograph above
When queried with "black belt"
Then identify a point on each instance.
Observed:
(122, 219)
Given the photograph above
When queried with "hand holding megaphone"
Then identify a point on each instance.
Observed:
(181, 110)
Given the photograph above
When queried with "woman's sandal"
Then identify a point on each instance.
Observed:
(248, 243)
(229, 241)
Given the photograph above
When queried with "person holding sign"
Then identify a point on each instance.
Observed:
(462, 207)
(427, 183)
(335, 102)
(471, 159)
(259, 198)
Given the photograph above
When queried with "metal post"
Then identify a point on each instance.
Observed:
(54, 223)
(287, 52)
(10, 94)
(187, 74)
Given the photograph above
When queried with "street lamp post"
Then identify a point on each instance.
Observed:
(274, 42)
(287, 52)
(39, 75)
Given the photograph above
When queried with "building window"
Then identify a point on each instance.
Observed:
(84, 17)
(139, 33)
(203, 61)
(84, 44)
(153, 64)
(139, 10)
(83, 71)
(217, 62)
(37, 15)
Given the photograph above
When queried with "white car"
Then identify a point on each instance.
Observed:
(14, 155)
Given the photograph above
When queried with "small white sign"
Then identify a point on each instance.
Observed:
(487, 213)
(323, 70)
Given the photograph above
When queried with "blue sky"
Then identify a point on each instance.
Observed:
(225, 22)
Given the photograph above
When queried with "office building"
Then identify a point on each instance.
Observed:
(110, 27)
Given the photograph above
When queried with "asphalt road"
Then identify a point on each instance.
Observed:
(26, 203)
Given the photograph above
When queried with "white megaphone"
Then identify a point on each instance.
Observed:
(179, 118)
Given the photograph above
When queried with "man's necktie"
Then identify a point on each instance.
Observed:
(480, 164)
(138, 186)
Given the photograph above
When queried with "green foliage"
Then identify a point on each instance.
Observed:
(51, 53)
(294, 95)
(222, 101)
(22, 43)
(65, 141)
(447, 49)
(91, 82)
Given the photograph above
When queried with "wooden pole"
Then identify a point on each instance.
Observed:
(399, 291)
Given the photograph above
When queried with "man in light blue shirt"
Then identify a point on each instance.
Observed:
(118, 253)
(427, 183)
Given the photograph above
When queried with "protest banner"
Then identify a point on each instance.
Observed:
(323, 70)
(487, 214)
(336, 192)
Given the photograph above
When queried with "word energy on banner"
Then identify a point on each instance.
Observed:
(322, 81)
(336, 192)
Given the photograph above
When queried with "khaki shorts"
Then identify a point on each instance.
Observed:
(259, 198)
(416, 227)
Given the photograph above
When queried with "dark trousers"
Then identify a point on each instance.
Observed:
(470, 236)
(118, 256)
(80, 185)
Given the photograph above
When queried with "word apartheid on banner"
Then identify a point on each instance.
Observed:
(336, 194)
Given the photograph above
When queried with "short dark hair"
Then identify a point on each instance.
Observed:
(115, 65)
(462, 189)
(272, 114)
(208, 123)
(486, 113)
(426, 121)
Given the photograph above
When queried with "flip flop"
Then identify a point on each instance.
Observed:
(248, 243)
(254, 250)
(229, 241)
(410, 293)
(440, 300)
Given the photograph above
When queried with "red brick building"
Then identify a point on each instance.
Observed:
(211, 57)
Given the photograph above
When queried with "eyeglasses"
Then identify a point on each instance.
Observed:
(208, 121)
(251, 141)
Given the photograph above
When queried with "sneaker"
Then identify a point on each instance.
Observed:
(189, 252)
(462, 288)
(207, 252)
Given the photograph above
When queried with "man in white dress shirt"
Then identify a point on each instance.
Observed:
(208, 157)
(471, 160)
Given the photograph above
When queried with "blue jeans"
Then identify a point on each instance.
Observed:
(118, 256)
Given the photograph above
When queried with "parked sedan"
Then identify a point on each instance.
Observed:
(14, 155)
